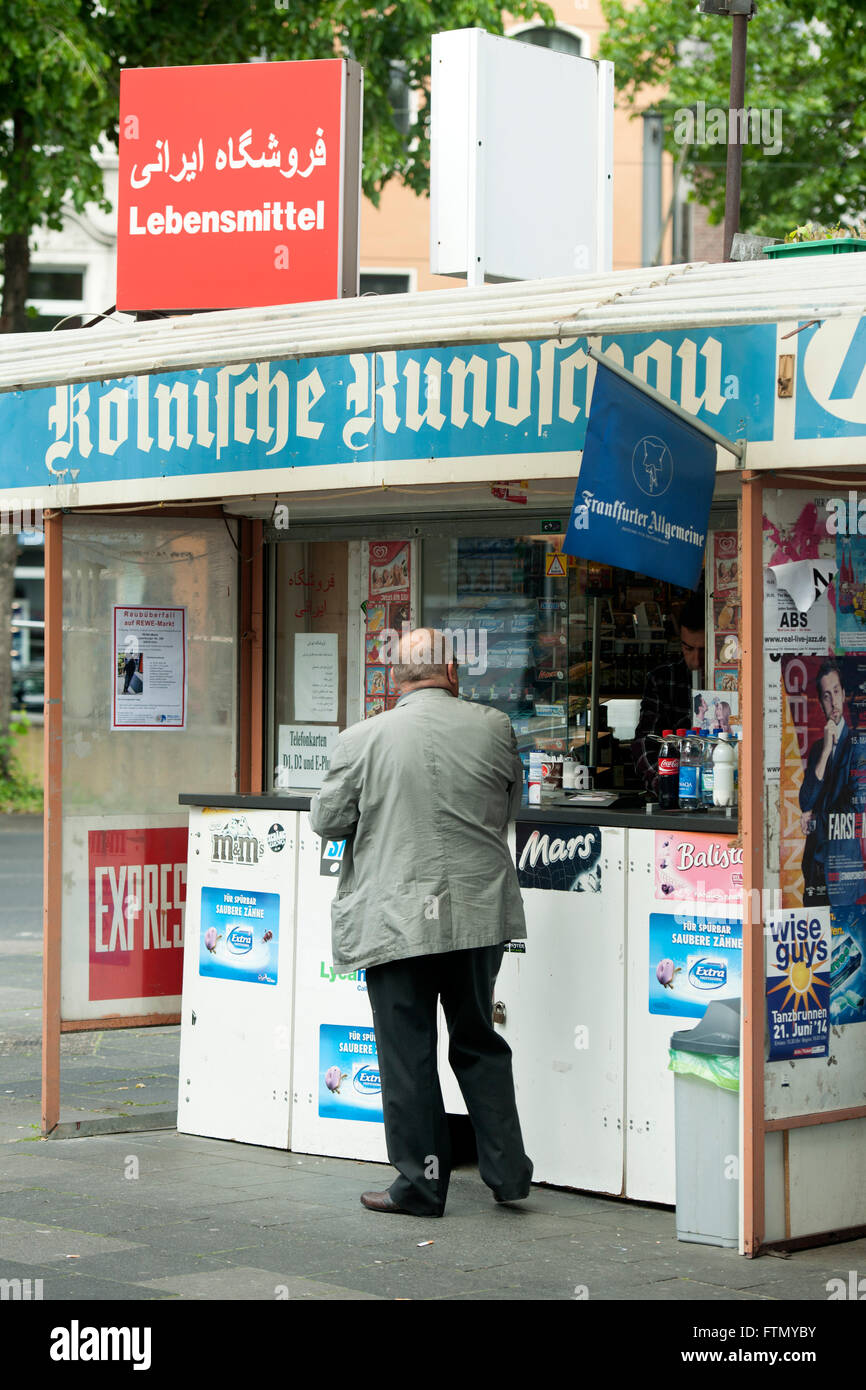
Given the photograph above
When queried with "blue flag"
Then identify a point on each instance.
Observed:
(645, 486)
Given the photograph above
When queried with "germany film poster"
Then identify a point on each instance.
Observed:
(822, 868)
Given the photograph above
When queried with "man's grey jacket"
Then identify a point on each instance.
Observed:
(422, 795)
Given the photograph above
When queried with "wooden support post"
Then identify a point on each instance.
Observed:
(53, 822)
(752, 828)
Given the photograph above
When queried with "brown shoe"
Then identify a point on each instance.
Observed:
(383, 1201)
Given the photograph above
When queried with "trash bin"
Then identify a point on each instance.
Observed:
(705, 1061)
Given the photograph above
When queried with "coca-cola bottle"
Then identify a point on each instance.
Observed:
(669, 771)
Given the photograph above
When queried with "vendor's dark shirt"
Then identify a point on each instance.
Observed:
(666, 704)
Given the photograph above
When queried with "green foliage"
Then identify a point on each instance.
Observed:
(813, 231)
(60, 62)
(805, 59)
(55, 99)
(18, 792)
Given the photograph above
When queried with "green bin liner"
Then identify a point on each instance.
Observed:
(721, 1071)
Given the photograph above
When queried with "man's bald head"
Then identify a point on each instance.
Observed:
(422, 661)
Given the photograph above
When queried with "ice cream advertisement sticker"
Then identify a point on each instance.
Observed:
(798, 983)
(698, 868)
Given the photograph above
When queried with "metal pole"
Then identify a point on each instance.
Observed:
(593, 693)
(734, 170)
(736, 447)
(651, 202)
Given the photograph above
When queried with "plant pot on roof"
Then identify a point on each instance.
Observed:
(814, 240)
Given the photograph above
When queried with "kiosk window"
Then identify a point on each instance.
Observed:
(520, 615)
(309, 658)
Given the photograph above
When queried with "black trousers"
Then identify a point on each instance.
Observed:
(403, 996)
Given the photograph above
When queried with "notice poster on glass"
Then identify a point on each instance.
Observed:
(304, 753)
(316, 677)
(149, 668)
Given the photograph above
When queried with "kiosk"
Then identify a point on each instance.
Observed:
(290, 480)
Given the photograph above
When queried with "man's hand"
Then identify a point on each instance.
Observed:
(831, 738)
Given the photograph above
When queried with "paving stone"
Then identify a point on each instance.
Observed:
(143, 1263)
(79, 1289)
(41, 1243)
(245, 1283)
(692, 1291)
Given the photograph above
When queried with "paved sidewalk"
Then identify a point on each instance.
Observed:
(167, 1216)
(155, 1215)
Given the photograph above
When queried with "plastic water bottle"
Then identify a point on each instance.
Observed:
(691, 755)
(708, 767)
(723, 772)
(669, 772)
(737, 743)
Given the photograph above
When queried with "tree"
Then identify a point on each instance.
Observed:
(805, 81)
(56, 100)
(60, 63)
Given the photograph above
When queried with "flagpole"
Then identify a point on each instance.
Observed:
(735, 447)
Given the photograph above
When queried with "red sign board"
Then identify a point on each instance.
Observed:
(137, 884)
(232, 185)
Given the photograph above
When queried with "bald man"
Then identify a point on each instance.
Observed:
(427, 899)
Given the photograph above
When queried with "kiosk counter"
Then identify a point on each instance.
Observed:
(277, 1049)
